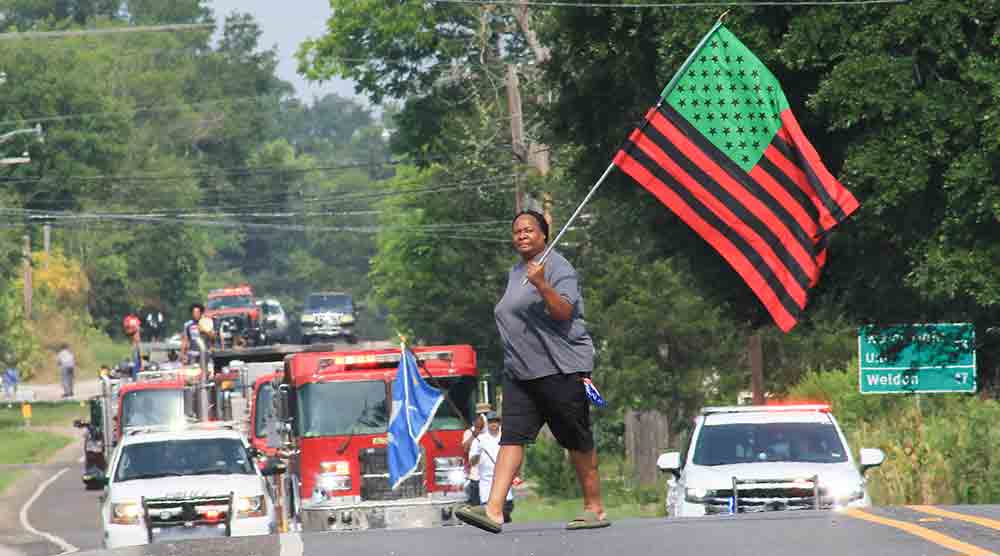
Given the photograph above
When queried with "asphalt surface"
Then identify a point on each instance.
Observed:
(787, 534)
(68, 511)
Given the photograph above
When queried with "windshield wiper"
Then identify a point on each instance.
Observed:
(214, 471)
(152, 476)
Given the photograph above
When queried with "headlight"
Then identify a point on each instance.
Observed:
(449, 471)
(334, 476)
(347, 319)
(125, 513)
(842, 491)
(251, 506)
(697, 494)
(308, 318)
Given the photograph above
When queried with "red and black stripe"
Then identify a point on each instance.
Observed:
(768, 224)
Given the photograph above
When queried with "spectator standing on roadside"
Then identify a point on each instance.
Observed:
(470, 434)
(483, 455)
(10, 379)
(67, 367)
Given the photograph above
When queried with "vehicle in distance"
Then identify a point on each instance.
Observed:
(197, 482)
(236, 316)
(328, 316)
(747, 459)
(274, 321)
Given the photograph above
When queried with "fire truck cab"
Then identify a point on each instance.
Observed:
(334, 408)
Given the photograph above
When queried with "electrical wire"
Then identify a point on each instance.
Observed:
(108, 31)
(144, 110)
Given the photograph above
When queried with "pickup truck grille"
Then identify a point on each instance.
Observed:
(187, 512)
(375, 477)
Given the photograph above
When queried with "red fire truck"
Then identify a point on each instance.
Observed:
(236, 317)
(334, 409)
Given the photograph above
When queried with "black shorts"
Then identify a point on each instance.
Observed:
(559, 401)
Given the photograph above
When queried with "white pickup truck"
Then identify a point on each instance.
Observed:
(196, 482)
(748, 459)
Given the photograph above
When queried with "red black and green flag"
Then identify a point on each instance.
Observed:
(724, 152)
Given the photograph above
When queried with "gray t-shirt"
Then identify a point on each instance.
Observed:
(535, 345)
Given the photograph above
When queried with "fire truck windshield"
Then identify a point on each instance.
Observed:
(264, 410)
(341, 408)
(153, 407)
(230, 302)
(461, 391)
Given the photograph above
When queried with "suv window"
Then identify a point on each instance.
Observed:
(768, 442)
(174, 458)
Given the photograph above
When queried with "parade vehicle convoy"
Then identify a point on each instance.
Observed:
(328, 316)
(333, 409)
(748, 459)
(196, 481)
(173, 397)
(236, 317)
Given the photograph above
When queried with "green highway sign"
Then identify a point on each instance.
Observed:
(917, 358)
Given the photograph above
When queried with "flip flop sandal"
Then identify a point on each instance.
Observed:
(587, 520)
(476, 517)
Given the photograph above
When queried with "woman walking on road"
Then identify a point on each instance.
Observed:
(547, 355)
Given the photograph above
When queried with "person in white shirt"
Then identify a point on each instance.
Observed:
(470, 434)
(483, 454)
(67, 366)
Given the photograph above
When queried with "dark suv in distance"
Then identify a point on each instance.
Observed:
(328, 316)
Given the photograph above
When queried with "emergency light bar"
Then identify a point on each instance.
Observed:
(373, 360)
(823, 408)
(157, 376)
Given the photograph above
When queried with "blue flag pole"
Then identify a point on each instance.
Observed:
(414, 404)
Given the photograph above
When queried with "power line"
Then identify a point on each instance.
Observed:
(108, 31)
(144, 110)
(706, 4)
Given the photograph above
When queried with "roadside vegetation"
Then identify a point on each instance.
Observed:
(20, 444)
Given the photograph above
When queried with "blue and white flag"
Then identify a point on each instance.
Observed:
(414, 404)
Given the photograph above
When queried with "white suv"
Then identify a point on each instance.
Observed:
(168, 485)
(766, 458)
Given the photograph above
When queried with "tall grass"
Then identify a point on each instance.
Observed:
(940, 448)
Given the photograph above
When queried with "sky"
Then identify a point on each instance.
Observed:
(285, 24)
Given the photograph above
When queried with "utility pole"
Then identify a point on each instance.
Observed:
(516, 130)
(547, 207)
(756, 349)
(47, 242)
(26, 253)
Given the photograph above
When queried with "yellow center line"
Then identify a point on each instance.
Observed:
(951, 543)
(984, 521)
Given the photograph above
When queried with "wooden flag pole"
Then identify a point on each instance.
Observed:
(663, 95)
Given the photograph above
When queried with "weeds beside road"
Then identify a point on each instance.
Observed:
(20, 444)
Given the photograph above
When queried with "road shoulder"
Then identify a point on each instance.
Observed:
(13, 538)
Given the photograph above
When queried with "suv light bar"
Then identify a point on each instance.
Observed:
(825, 408)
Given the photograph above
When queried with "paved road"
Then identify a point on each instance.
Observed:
(68, 511)
(887, 531)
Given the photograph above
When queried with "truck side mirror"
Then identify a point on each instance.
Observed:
(95, 480)
(670, 461)
(273, 468)
(282, 399)
(871, 457)
(80, 423)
